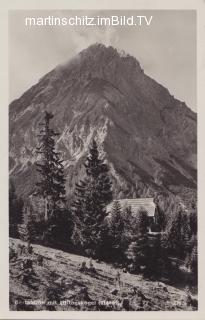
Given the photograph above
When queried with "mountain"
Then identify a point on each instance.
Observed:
(146, 135)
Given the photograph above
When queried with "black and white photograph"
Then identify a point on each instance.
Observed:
(103, 160)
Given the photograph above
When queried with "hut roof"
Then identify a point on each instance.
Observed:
(136, 204)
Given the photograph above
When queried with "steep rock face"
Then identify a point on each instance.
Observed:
(146, 135)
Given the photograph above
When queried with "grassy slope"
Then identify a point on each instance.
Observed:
(60, 271)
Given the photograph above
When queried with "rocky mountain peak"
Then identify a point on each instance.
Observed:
(142, 129)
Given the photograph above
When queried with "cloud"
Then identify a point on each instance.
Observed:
(166, 51)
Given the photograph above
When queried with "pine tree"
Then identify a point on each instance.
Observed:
(30, 232)
(116, 231)
(12, 201)
(191, 258)
(193, 218)
(193, 263)
(138, 249)
(97, 173)
(128, 219)
(15, 210)
(129, 227)
(155, 258)
(137, 252)
(89, 207)
(177, 236)
(160, 218)
(52, 181)
(142, 221)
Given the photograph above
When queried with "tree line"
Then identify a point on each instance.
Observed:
(85, 226)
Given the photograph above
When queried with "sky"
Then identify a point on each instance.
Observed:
(166, 49)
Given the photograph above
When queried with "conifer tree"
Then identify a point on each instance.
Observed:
(160, 219)
(177, 235)
(155, 258)
(15, 210)
(130, 228)
(193, 218)
(128, 220)
(89, 207)
(192, 256)
(51, 185)
(30, 232)
(138, 249)
(116, 230)
(142, 221)
(193, 262)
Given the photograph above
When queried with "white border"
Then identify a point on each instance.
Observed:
(199, 6)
